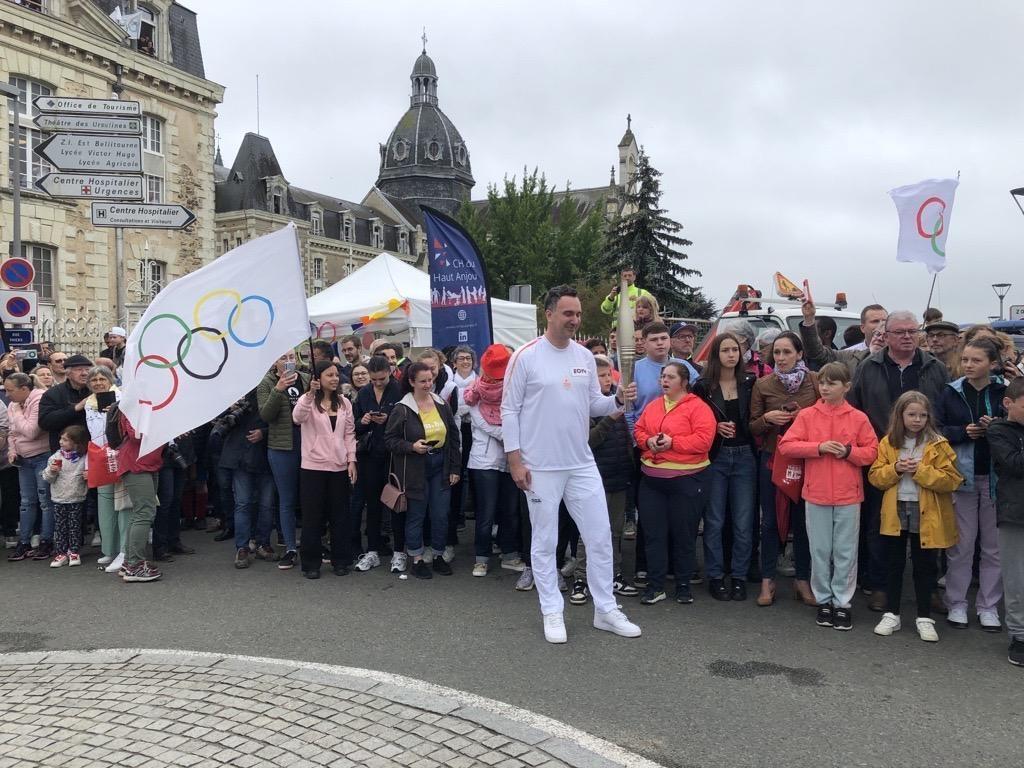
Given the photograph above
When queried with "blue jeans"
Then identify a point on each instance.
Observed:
(770, 530)
(35, 495)
(733, 477)
(253, 490)
(497, 500)
(284, 467)
(436, 502)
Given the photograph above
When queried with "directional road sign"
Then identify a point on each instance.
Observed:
(75, 106)
(18, 306)
(17, 272)
(100, 186)
(140, 216)
(89, 124)
(84, 152)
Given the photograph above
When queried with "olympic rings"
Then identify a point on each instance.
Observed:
(208, 332)
(199, 305)
(938, 228)
(187, 336)
(174, 380)
(187, 340)
(231, 320)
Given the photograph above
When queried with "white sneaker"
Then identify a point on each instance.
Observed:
(480, 569)
(105, 560)
(514, 564)
(957, 617)
(35, 541)
(989, 621)
(890, 623)
(96, 539)
(569, 568)
(10, 542)
(116, 564)
(926, 630)
(399, 561)
(616, 621)
(449, 554)
(368, 561)
(554, 628)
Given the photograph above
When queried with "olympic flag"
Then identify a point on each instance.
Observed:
(924, 210)
(210, 336)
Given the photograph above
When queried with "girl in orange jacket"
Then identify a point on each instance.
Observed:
(674, 433)
(835, 440)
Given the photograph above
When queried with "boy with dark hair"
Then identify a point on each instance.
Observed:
(1006, 444)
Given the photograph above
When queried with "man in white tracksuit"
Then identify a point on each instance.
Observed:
(551, 391)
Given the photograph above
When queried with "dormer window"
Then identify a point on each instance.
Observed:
(403, 241)
(346, 229)
(147, 31)
(401, 150)
(434, 150)
(378, 235)
(278, 201)
(461, 155)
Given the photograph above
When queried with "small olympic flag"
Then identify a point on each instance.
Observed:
(924, 209)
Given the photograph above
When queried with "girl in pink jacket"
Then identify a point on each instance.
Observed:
(328, 469)
(835, 440)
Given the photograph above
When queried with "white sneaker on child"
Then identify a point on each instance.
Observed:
(890, 623)
(926, 630)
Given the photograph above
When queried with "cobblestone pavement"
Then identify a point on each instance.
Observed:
(129, 708)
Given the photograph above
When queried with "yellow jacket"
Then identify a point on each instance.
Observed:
(936, 478)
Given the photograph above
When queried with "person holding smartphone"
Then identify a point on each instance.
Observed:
(371, 408)
(425, 444)
(113, 525)
(774, 403)
(276, 397)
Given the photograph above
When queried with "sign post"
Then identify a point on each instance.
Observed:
(92, 152)
(141, 215)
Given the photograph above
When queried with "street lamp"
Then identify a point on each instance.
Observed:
(13, 94)
(1001, 290)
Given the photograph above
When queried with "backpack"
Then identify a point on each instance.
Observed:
(115, 436)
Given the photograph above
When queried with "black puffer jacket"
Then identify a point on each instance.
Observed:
(613, 452)
(1006, 442)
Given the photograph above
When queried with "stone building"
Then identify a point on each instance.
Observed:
(74, 48)
(425, 160)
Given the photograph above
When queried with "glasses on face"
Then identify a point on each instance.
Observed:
(907, 332)
(463, 359)
(941, 335)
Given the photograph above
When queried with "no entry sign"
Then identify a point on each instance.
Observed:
(17, 272)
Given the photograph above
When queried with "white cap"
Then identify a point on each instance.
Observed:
(118, 331)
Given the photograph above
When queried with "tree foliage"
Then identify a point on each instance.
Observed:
(528, 234)
(647, 240)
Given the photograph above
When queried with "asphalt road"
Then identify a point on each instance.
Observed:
(709, 684)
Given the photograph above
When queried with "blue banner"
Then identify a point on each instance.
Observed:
(460, 304)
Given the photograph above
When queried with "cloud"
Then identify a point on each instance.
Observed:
(779, 127)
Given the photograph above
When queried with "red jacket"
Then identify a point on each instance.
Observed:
(691, 425)
(829, 481)
(128, 459)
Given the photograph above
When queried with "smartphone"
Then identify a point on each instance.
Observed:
(791, 407)
(808, 299)
(432, 443)
(289, 367)
(105, 399)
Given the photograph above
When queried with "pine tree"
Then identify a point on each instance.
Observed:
(647, 240)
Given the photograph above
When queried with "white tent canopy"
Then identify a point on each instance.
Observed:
(399, 295)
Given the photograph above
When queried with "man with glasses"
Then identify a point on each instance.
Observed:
(943, 341)
(57, 360)
(879, 381)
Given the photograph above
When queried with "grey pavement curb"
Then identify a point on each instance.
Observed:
(570, 745)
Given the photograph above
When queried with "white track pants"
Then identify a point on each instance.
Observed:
(583, 493)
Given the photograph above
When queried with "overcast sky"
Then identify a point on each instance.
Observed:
(779, 126)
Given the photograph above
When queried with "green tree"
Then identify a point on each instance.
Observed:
(647, 240)
(527, 234)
